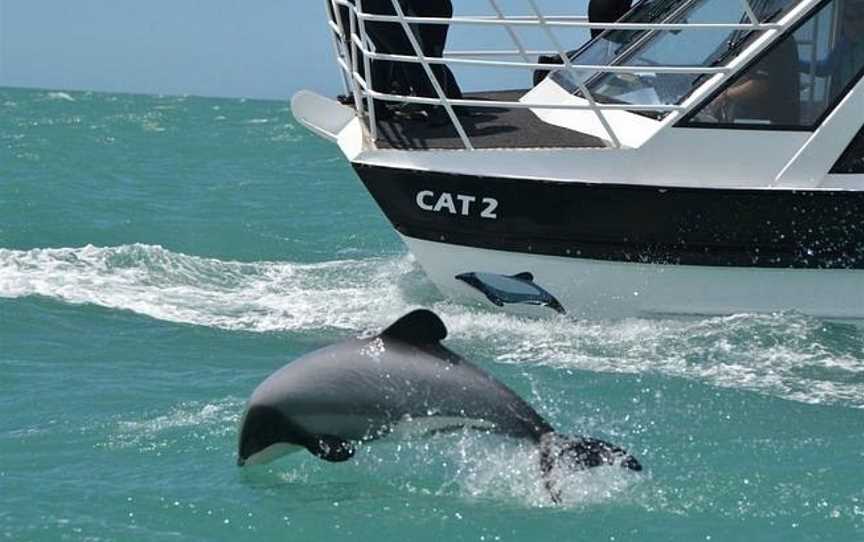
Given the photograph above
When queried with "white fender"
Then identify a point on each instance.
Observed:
(322, 115)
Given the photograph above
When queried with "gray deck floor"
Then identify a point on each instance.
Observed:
(487, 128)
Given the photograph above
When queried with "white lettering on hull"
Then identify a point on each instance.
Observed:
(457, 204)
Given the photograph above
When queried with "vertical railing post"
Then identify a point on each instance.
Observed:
(338, 42)
(566, 60)
(442, 96)
(748, 9)
(355, 87)
(511, 31)
(367, 65)
(814, 62)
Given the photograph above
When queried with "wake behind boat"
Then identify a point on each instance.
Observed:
(696, 157)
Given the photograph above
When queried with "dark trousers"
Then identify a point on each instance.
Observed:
(390, 38)
(606, 11)
(434, 40)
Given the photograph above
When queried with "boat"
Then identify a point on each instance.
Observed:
(698, 157)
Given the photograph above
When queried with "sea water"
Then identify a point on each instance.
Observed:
(160, 256)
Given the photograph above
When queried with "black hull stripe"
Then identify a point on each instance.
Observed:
(800, 229)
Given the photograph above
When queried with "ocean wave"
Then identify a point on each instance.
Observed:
(785, 355)
(259, 296)
(59, 96)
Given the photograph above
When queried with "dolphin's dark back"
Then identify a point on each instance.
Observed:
(359, 388)
(362, 389)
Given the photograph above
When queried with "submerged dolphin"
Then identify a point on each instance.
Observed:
(502, 290)
(363, 389)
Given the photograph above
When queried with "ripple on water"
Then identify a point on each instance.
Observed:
(193, 422)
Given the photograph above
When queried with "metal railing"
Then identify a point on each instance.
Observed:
(362, 49)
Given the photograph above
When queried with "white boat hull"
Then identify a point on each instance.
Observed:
(602, 289)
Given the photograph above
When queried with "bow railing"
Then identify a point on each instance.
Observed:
(360, 85)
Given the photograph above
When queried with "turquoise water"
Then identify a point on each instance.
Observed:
(160, 256)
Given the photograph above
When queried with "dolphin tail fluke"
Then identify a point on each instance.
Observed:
(577, 453)
(330, 448)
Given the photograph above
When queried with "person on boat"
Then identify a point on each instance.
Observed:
(606, 11)
(433, 39)
(769, 92)
(599, 11)
(390, 38)
(847, 56)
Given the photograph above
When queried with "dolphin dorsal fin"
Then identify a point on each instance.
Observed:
(418, 327)
(524, 276)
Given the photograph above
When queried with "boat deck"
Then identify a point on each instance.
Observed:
(487, 128)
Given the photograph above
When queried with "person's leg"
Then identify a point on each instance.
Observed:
(389, 38)
(606, 11)
(434, 40)
(343, 21)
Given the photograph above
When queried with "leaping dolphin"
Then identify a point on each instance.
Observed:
(361, 390)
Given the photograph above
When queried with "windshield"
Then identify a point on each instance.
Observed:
(612, 43)
(689, 47)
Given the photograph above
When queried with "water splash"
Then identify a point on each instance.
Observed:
(786, 355)
(477, 466)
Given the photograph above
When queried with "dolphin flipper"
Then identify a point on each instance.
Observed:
(494, 299)
(330, 448)
(577, 453)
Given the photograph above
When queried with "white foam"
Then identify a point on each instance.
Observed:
(60, 96)
(259, 296)
(513, 473)
(479, 466)
(784, 355)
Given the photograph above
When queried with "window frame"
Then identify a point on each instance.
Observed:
(623, 55)
(688, 120)
(639, 40)
(646, 34)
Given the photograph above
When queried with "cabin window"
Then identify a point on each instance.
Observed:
(612, 43)
(801, 77)
(689, 47)
(852, 161)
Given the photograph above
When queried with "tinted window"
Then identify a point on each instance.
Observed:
(689, 47)
(612, 43)
(852, 160)
(801, 77)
